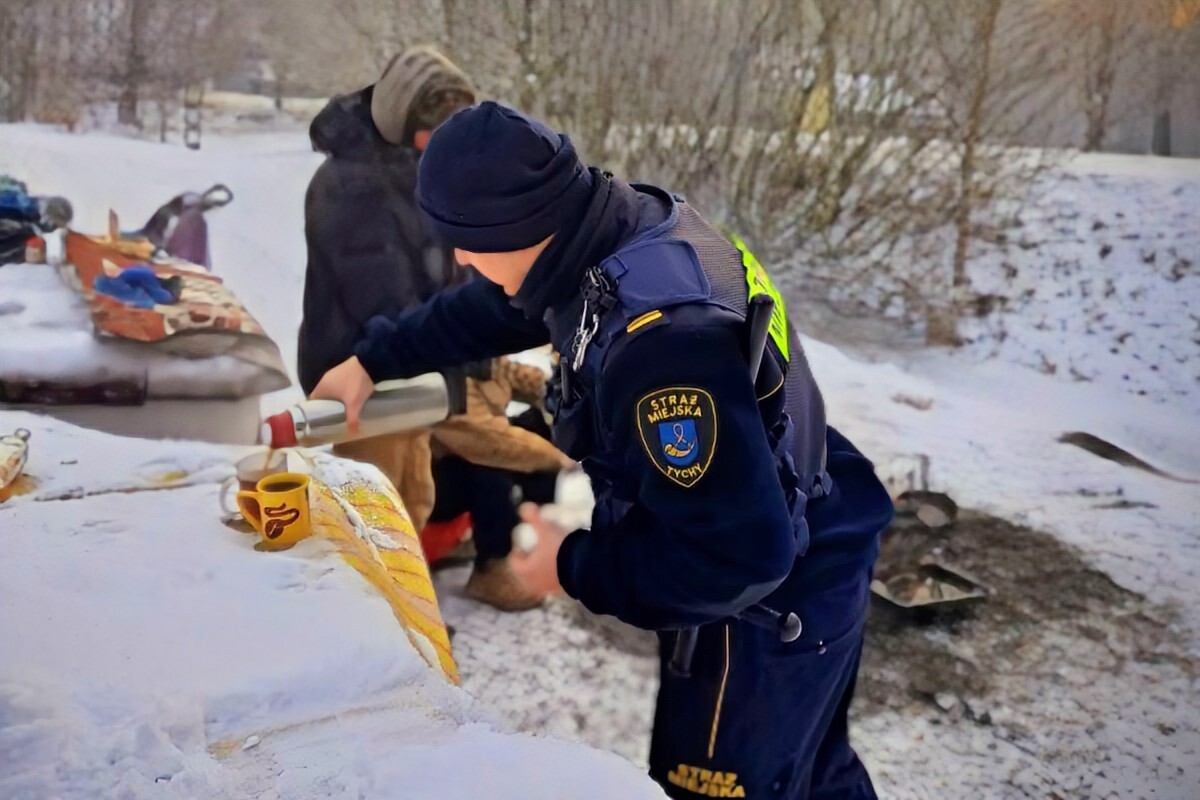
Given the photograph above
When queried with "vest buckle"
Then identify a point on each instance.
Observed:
(598, 297)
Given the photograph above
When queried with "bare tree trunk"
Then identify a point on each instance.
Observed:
(29, 71)
(827, 44)
(1160, 140)
(19, 38)
(448, 18)
(135, 65)
(972, 136)
(528, 90)
(747, 182)
(1100, 78)
(941, 312)
(1167, 74)
(162, 120)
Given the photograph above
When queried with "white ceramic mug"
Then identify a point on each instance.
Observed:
(248, 472)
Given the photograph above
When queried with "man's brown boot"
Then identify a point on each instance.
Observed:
(496, 584)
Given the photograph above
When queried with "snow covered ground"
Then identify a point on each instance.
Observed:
(978, 424)
(990, 437)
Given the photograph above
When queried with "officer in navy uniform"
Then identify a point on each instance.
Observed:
(724, 503)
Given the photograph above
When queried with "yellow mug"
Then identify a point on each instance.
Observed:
(278, 509)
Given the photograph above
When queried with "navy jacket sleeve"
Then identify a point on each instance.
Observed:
(710, 532)
(467, 323)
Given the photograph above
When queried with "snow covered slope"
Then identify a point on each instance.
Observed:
(1102, 281)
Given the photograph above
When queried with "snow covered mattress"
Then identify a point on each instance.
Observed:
(49, 352)
(148, 650)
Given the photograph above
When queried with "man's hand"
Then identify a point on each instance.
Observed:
(538, 569)
(349, 384)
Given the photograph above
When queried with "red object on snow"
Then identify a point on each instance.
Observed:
(439, 538)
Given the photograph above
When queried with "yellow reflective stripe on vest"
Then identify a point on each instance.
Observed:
(758, 282)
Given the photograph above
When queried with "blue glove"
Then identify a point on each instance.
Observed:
(121, 290)
(142, 277)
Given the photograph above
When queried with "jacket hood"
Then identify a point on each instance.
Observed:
(344, 128)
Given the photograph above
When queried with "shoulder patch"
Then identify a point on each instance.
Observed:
(678, 428)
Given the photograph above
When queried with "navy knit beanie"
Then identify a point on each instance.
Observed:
(494, 180)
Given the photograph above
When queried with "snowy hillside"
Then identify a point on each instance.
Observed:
(1101, 283)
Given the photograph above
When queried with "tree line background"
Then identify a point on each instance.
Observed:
(867, 147)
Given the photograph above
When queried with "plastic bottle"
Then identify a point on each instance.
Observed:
(395, 407)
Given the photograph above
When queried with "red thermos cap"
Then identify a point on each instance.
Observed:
(279, 431)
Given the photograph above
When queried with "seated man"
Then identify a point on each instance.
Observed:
(486, 466)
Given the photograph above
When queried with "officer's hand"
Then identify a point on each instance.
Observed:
(349, 384)
(538, 569)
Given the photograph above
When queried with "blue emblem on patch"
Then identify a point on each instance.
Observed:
(678, 428)
(680, 446)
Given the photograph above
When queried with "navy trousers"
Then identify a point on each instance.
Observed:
(760, 718)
